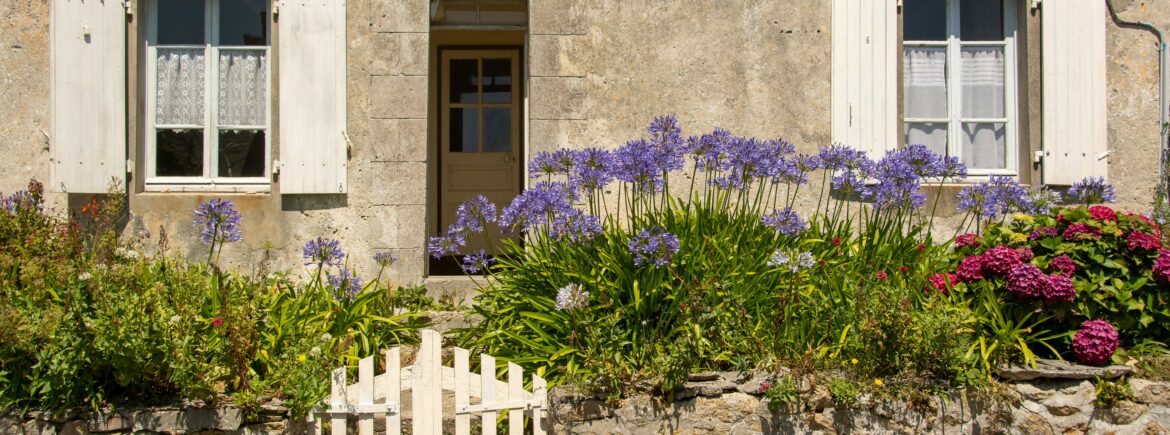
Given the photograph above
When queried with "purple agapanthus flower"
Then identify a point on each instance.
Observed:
(218, 222)
(575, 225)
(480, 260)
(546, 164)
(638, 164)
(840, 157)
(536, 206)
(446, 244)
(666, 139)
(996, 197)
(345, 285)
(474, 213)
(708, 150)
(786, 221)
(653, 246)
(385, 259)
(1091, 190)
(322, 252)
(572, 297)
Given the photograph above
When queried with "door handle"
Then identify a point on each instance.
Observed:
(507, 158)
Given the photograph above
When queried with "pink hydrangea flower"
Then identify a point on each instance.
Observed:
(1060, 289)
(970, 269)
(1000, 260)
(1025, 253)
(1081, 231)
(1142, 241)
(1043, 232)
(965, 240)
(942, 282)
(1095, 343)
(1063, 264)
(1162, 266)
(1102, 213)
(1026, 280)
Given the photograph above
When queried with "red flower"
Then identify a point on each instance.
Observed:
(970, 269)
(903, 269)
(1081, 232)
(764, 386)
(217, 322)
(1000, 260)
(1063, 264)
(1060, 288)
(1102, 213)
(921, 247)
(881, 276)
(942, 282)
(836, 241)
(965, 240)
(1095, 342)
(1143, 241)
(1162, 266)
(1025, 253)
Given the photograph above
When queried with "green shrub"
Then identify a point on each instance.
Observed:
(845, 392)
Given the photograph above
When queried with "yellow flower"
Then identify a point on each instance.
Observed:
(854, 361)
(301, 358)
(877, 382)
(1022, 217)
(1019, 238)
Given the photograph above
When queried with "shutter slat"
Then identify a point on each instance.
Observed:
(87, 95)
(312, 97)
(864, 93)
(1073, 63)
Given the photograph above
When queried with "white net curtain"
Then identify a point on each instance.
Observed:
(242, 91)
(179, 86)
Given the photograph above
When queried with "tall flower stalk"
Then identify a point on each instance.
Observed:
(218, 223)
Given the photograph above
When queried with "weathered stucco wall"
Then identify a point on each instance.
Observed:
(24, 91)
(599, 72)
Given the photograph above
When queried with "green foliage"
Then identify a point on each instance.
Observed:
(845, 392)
(783, 392)
(1110, 393)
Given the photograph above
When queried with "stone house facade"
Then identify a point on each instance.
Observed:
(366, 120)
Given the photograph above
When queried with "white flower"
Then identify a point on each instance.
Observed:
(175, 318)
(85, 276)
(326, 337)
(315, 351)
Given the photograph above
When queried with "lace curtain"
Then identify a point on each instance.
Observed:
(925, 92)
(179, 92)
(243, 90)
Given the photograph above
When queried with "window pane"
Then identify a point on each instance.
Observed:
(497, 80)
(178, 153)
(241, 153)
(464, 130)
(984, 146)
(933, 135)
(243, 88)
(924, 20)
(981, 20)
(464, 80)
(179, 86)
(497, 129)
(243, 22)
(180, 22)
(925, 82)
(982, 78)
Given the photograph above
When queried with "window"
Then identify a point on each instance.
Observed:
(208, 107)
(959, 75)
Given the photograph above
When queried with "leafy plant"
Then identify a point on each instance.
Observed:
(783, 392)
(1110, 393)
(845, 393)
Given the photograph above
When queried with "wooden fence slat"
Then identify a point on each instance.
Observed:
(339, 400)
(393, 390)
(539, 393)
(515, 393)
(462, 391)
(487, 376)
(427, 392)
(366, 394)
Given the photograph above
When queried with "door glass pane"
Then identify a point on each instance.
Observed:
(243, 22)
(179, 153)
(981, 20)
(497, 80)
(933, 135)
(982, 82)
(243, 87)
(464, 130)
(464, 80)
(241, 153)
(925, 82)
(180, 21)
(497, 129)
(179, 86)
(984, 145)
(924, 20)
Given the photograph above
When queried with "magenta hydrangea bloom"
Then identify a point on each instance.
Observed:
(1162, 267)
(941, 282)
(1142, 241)
(1102, 213)
(1081, 231)
(1095, 343)
(1000, 260)
(1026, 280)
(970, 269)
(1043, 232)
(1063, 264)
(1060, 289)
(965, 240)
(1025, 253)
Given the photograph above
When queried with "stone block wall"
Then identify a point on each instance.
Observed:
(732, 404)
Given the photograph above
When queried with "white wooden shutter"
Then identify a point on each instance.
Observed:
(312, 96)
(87, 95)
(865, 74)
(1073, 63)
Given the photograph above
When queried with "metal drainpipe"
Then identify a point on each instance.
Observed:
(1163, 71)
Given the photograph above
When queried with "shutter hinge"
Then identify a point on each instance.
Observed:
(275, 7)
(276, 164)
(130, 167)
(1037, 156)
(129, 8)
(1105, 154)
(1035, 4)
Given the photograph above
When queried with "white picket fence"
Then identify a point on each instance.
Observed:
(427, 379)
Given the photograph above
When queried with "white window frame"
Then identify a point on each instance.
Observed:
(207, 182)
(955, 121)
